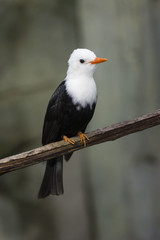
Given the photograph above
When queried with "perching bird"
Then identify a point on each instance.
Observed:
(69, 111)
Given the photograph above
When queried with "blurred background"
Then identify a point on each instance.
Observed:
(112, 190)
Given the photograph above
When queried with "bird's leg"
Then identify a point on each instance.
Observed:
(83, 138)
(66, 139)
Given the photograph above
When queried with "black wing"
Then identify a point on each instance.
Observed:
(53, 117)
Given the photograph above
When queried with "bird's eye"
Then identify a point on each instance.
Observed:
(81, 60)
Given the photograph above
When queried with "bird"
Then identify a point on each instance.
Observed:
(69, 111)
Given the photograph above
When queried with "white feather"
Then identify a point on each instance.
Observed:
(83, 91)
(80, 84)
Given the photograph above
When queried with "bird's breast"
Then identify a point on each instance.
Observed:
(83, 92)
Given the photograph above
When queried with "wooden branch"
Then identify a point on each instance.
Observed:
(56, 149)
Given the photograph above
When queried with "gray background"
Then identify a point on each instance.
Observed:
(112, 190)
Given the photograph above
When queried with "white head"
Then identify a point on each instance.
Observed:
(80, 84)
(83, 62)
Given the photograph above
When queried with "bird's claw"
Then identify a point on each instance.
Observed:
(83, 138)
(66, 139)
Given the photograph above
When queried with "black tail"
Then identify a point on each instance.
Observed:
(53, 178)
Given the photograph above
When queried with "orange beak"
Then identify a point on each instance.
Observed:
(99, 60)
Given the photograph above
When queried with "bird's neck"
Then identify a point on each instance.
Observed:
(82, 89)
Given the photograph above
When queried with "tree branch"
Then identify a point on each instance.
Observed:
(56, 149)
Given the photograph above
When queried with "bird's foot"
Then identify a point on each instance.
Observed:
(66, 139)
(83, 138)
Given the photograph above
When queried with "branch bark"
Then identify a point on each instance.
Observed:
(56, 149)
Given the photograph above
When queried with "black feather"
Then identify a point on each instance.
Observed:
(62, 118)
(53, 178)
